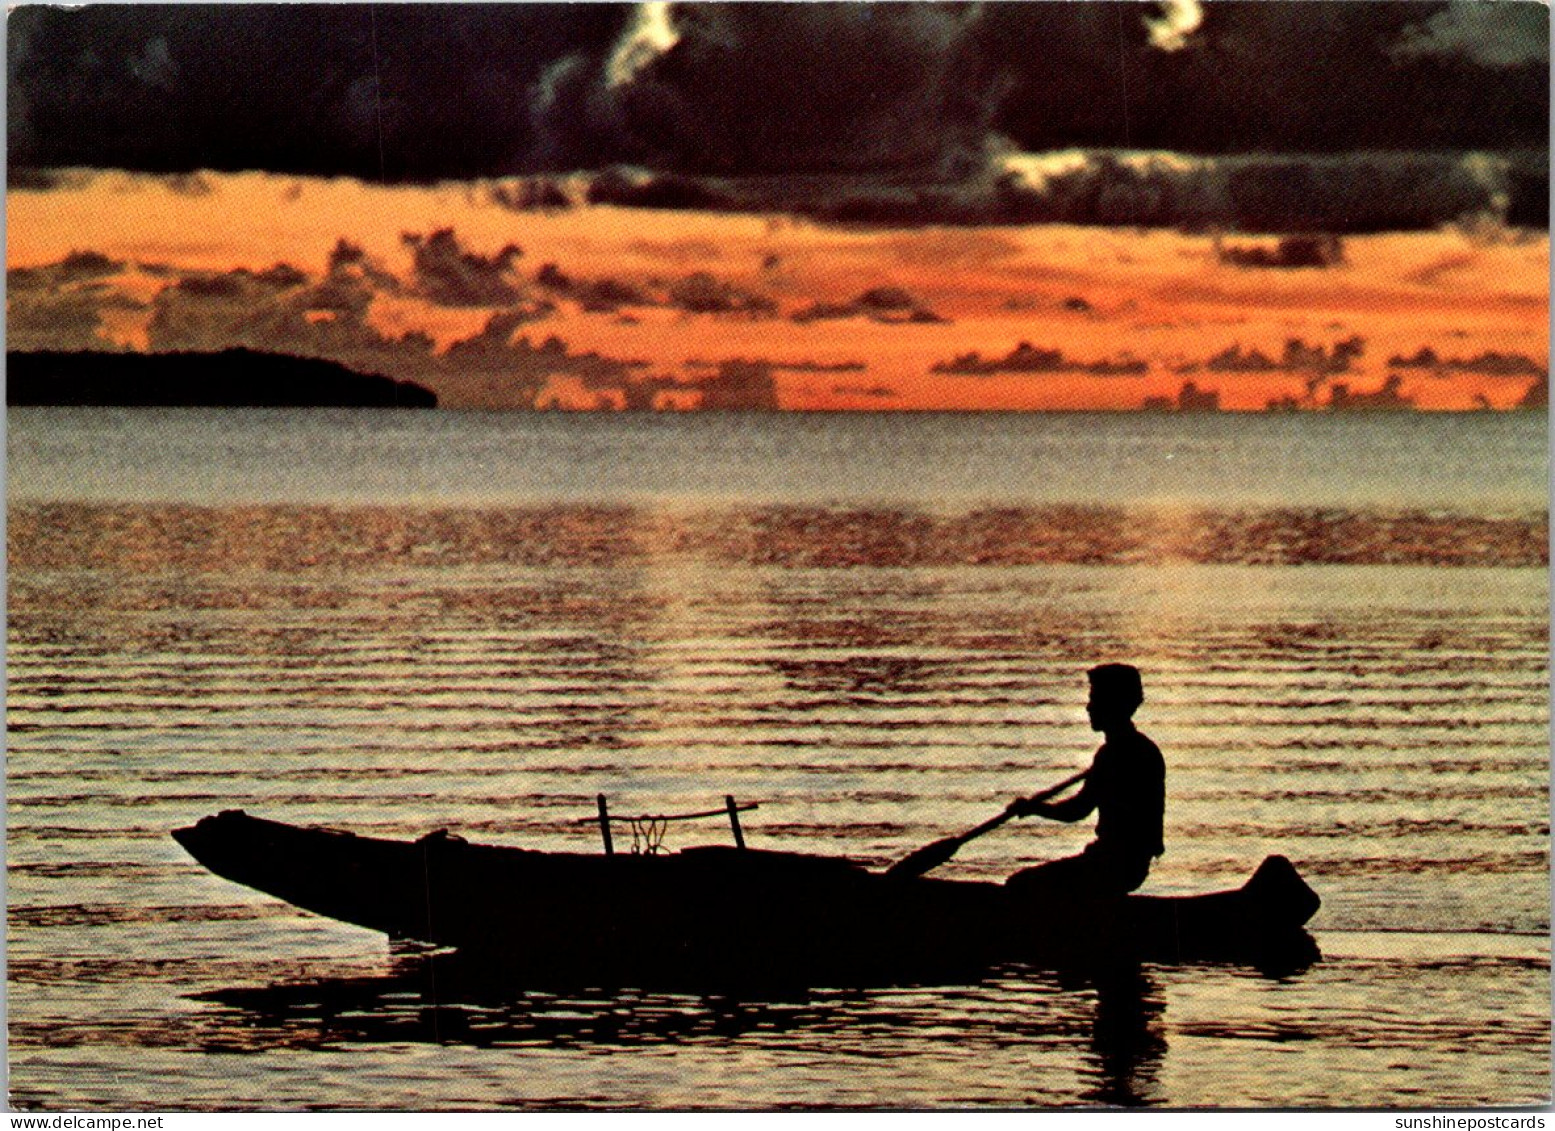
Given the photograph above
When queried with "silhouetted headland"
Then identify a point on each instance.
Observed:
(232, 378)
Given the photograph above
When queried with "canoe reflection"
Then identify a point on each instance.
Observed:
(1107, 1022)
(1127, 1044)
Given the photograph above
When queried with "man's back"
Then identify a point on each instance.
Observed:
(1127, 782)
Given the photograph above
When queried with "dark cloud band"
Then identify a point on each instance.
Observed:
(899, 93)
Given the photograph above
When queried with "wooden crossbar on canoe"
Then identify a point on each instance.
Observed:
(743, 807)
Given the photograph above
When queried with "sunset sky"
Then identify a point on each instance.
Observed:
(812, 207)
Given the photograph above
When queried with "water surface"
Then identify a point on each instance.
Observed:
(878, 628)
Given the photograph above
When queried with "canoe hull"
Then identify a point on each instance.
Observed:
(726, 914)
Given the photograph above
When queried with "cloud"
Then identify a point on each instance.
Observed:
(1290, 253)
(1318, 364)
(1490, 34)
(76, 267)
(26, 179)
(352, 271)
(449, 275)
(1177, 20)
(871, 392)
(699, 292)
(777, 366)
(1370, 191)
(399, 92)
(1027, 359)
(494, 344)
(188, 184)
(735, 384)
(534, 194)
(880, 112)
(1339, 193)
(1490, 363)
(1537, 394)
(461, 90)
(702, 293)
(61, 305)
(1297, 357)
(1280, 78)
(48, 319)
(887, 304)
(1387, 396)
(597, 295)
(1189, 398)
(752, 89)
(286, 310)
(282, 276)
(739, 386)
(651, 35)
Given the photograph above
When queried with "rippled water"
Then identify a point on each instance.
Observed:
(877, 628)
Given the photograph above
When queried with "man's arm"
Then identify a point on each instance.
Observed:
(1075, 808)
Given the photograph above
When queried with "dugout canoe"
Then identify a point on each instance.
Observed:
(714, 914)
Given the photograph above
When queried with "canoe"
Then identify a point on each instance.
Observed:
(722, 914)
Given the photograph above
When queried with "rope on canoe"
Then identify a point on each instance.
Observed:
(743, 807)
(648, 834)
(648, 830)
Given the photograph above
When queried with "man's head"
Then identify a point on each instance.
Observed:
(1116, 693)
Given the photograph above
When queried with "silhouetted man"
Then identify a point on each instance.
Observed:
(1125, 787)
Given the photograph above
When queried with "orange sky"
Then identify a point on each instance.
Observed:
(1095, 294)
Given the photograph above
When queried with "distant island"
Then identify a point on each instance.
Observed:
(234, 378)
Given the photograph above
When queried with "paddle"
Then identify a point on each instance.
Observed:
(931, 856)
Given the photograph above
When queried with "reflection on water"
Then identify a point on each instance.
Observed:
(1127, 1039)
(146, 538)
(441, 999)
